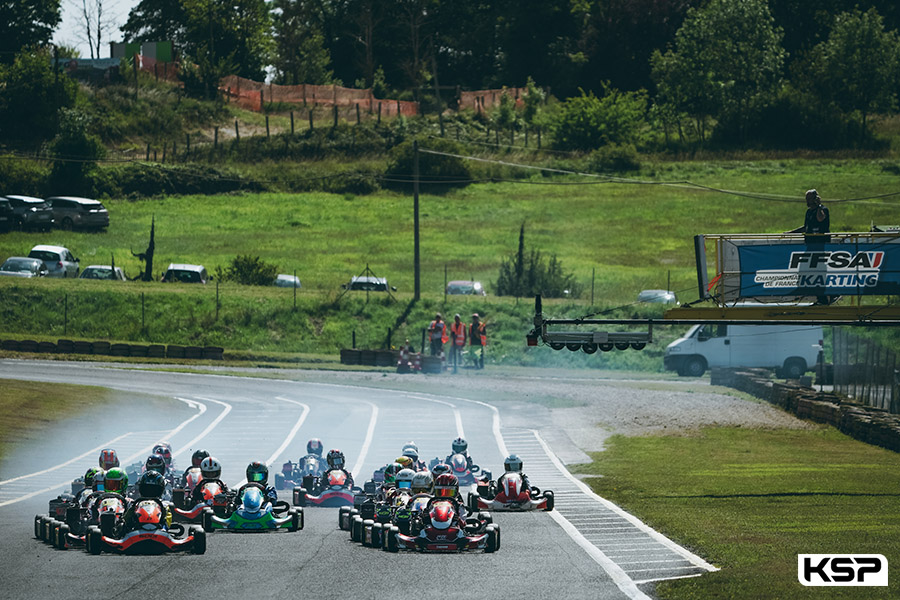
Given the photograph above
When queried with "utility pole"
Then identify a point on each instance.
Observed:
(418, 289)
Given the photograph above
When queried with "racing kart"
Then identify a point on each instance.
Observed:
(478, 533)
(299, 474)
(511, 495)
(184, 509)
(255, 514)
(68, 522)
(335, 491)
(152, 535)
(459, 466)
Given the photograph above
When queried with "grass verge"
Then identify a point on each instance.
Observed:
(750, 501)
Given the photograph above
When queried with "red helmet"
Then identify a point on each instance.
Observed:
(314, 446)
(108, 459)
(446, 486)
(164, 450)
(459, 464)
(441, 515)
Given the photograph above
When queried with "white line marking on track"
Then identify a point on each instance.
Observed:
(370, 434)
(456, 414)
(290, 436)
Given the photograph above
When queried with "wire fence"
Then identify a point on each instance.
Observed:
(866, 371)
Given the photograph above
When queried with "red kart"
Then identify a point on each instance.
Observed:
(512, 494)
(151, 536)
(334, 491)
(442, 531)
(184, 509)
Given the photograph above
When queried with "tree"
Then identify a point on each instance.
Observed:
(300, 55)
(157, 20)
(24, 23)
(32, 96)
(727, 60)
(855, 68)
(587, 122)
(96, 22)
(76, 153)
(248, 270)
(524, 274)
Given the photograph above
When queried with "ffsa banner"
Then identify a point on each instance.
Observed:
(819, 269)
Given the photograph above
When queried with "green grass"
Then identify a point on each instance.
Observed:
(26, 407)
(749, 501)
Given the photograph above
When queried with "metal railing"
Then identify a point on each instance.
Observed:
(866, 371)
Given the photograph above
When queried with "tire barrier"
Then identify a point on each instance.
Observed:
(105, 348)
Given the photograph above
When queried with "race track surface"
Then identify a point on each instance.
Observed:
(587, 548)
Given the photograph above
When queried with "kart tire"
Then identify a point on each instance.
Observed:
(62, 536)
(550, 500)
(343, 513)
(199, 545)
(391, 544)
(107, 523)
(178, 498)
(492, 539)
(52, 531)
(300, 496)
(296, 515)
(37, 526)
(378, 535)
(356, 529)
(279, 481)
(45, 525)
(473, 501)
(206, 519)
(94, 540)
(367, 525)
(485, 517)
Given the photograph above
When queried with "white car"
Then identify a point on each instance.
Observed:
(288, 281)
(58, 260)
(658, 296)
(20, 266)
(102, 272)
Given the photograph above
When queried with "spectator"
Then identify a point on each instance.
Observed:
(477, 338)
(457, 340)
(817, 219)
(437, 333)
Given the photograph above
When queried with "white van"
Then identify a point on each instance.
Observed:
(791, 349)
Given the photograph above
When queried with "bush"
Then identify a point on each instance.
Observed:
(248, 270)
(437, 173)
(522, 275)
(588, 122)
(615, 158)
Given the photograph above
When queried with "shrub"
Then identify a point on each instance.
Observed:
(588, 122)
(248, 270)
(616, 158)
(437, 173)
(522, 275)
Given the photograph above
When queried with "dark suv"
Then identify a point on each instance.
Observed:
(7, 218)
(70, 212)
(31, 213)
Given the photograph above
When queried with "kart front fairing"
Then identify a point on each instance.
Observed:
(431, 539)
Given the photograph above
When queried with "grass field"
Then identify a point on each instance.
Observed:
(750, 501)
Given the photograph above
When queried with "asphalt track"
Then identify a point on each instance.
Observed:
(587, 548)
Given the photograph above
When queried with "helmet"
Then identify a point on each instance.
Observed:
(314, 446)
(404, 461)
(198, 456)
(258, 472)
(441, 515)
(459, 464)
(108, 459)
(390, 473)
(210, 468)
(252, 499)
(440, 469)
(512, 463)
(335, 459)
(164, 450)
(155, 462)
(151, 484)
(89, 477)
(404, 478)
(116, 480)
(446, 486)
(411, 452)
(459, 446)
(422, 483)
(99, 478)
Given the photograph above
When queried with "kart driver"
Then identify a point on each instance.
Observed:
(211, 470)
(196, 458)
(115, 481)
(108, 459)
(151, 486)
(314, 448)
(459, 446)
(258, 472)
(335, 460)
(164, 449)
(412, 451)
(447, 486)
(513, 464)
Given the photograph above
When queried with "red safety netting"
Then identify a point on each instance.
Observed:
(167, 71)
(253, 95)
(482, 100)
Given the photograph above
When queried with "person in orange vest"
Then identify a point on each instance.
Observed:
(437, 333)
(477, 337)
(457, 340)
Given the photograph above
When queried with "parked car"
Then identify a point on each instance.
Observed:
(368, 283)
(466, 287)
(183, 273)
(103, 272)
(7, 217)
(21, 266)
(288, 281)
(658, 296)
(58, 260)
(70, 212)
(31, 213)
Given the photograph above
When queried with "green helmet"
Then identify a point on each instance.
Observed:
(390, 473)
(116, 480)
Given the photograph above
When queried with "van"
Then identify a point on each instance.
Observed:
(790, 349)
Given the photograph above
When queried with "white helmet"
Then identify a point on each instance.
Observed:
(512, 463)
(210, 468)
(411, 451)
(422, 483)
(404, 478)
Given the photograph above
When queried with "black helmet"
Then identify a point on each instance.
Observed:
(198, 457)
(314, 446)
(512, 463)
(459, 445)
(151, 484)
(156, 462)
(335, 459)
(258, 472)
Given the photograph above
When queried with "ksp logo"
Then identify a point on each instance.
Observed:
(842, 569)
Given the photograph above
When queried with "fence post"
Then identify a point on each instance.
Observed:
(526, 136)
(539, 137)
(267, 126)
(165, 145)
(237, 132)
(262, 100)
(143, 326)
(379, 113)
(357, 113)
(292, 122)
(148, 152)
(310, 113)
(66, 315)
(217, 299)
(216, 138)
(334, 125)
(441, 123)
(353, 344)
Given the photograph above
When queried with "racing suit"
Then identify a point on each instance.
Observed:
(469, 460)
(323, 464)
(324, 476)
(526, 485)
(130, 522)
(197, 493)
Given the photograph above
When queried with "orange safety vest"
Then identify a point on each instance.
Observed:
(459, 332)
(480, 332)
(434, 327)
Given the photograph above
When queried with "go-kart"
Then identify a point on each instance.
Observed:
(190, 479)
(213, 495)
(254, 513)
(299, 474)
(459, 466)
(478, 533)
(511, 495)
(152, 534)
(99, 508)
(334, 491)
